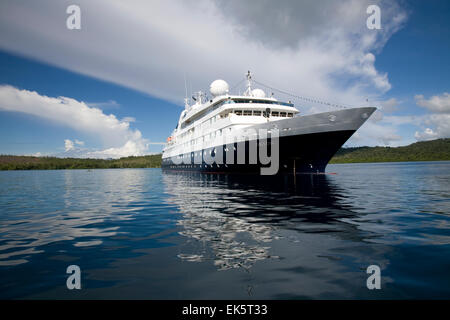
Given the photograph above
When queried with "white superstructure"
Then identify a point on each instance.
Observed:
(203, 124)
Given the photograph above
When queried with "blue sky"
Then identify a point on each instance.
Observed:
(27, 134)
(417, 57)
(129, 61)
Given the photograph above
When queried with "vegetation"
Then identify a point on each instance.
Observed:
(420, 151)
(434, 150)
(49, 163)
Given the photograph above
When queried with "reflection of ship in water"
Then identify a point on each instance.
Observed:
(232, 219)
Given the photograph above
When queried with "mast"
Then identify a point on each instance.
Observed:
(186, 100)
(248, 92)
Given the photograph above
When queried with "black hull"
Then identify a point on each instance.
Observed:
(306, 153)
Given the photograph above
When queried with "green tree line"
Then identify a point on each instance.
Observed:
(435, 150)
(50, 163)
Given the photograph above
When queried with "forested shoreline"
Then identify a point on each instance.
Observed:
(435, 150)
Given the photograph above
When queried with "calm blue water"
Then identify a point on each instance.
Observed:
(141, 233)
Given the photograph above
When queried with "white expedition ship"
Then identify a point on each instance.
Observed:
(255, 134)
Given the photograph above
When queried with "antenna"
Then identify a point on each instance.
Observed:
(248, 92)
(185, 85)
(186, 100)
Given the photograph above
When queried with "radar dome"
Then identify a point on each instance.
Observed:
(258, 93)
(219, 88)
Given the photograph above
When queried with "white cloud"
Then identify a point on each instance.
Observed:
(381, 128)
(404, 120)
(436, 124)
(389, 105)
(372, 134)
(383, 107)
(68, 145)
(117, 135)
(306, 47)
(129, 119)
(104, 105)
(427, 134)
(149, 45)
(433, 125)
(128, 149)
(440, 104)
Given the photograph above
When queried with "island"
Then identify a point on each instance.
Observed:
(434, 150)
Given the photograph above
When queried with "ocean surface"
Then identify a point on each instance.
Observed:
(145, 234)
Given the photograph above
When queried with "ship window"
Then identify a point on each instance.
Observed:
(274, 113)
(247, 112)
(238, 112)
(256, 113)
(290, 115)
(282, 114)
(289, 104)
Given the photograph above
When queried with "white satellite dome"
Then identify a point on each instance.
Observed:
(258, 93)
(219, 88)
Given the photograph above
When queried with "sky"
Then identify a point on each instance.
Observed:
(115, 87)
